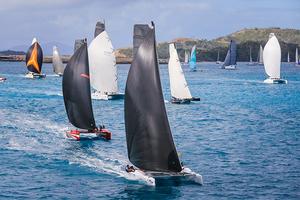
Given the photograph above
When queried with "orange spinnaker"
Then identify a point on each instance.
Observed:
(34, 59)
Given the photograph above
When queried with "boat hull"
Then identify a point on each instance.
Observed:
(230, 67)
(100, 133)
(35, 75)
(275, 81)
(101, 96)
(180, 101)
(2, 79)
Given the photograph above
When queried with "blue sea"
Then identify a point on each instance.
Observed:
(243, 137)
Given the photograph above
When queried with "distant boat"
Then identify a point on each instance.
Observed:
(34, 60)
(230, 59)
(250, 58)
(260, 59)
(103, 68)
(272, 60)
(186, 57)
(193, 59)
(179, 88)
(150, 145)
(77, 96)
(297, 61)
(2, 79)
(58, 66)
(218, 58)
(288, 57)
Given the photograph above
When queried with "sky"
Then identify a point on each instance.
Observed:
(63, 21)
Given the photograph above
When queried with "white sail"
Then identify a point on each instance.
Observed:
(102, 62)
(186, 57)
(34, 40)
(296, 56)
(272, 57)
(58, 66)
(178, 84)
(261, 58)
(288, 57)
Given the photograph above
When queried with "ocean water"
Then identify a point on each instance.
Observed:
(243, 137)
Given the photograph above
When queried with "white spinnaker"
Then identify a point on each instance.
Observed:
(58, 66)
(178, 84)
(272, 57)
(102, 62)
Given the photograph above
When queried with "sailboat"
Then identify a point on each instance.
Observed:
(58, 66)
(260, 59)
(193, 59)
(179, 88)
(186, 58)
(34, 60)
(297, 61)
(272, 60)
(103, 68)
(250, 58)
(230, 59)
(2, 79)
(77, 96)
(288, 57)
(150, 145)
(218, 58)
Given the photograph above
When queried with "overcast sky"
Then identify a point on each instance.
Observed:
(65, 20)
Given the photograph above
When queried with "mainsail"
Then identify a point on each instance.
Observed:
(250, 59)
(260, 55)
(288, 57)
(296, 57)
(76, 90)
(193, 59)
(102, 62)
(186, 57)
(178, 84)
(272, 57)
(218, 57)
(230, 58)
(58, 66)
(34, 57)
(78, 44)
(149, 140)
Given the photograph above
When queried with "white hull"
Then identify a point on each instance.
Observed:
(275, 81)
(34, 75)
(139, 175)
(230, 67)
(112, 96)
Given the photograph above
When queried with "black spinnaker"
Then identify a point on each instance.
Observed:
(149, 139)
(76, 90)
(100, 27)
(230, 58)
(34, 58)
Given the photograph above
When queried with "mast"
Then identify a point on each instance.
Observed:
(272, 57)
(102, 61)
(76, 90)
(34, 57)
(150, 144)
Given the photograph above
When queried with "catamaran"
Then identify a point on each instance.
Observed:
(179, 88)
(150, 145)
(58, 66)
(260, 58)
(297, 61)
(250, 58)
(34, 60)
(103, 68)
(193, 59)
(272, 60)
(77, 96)
(230, 59)
(218, 58)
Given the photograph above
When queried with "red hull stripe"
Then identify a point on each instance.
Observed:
(85, 76)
